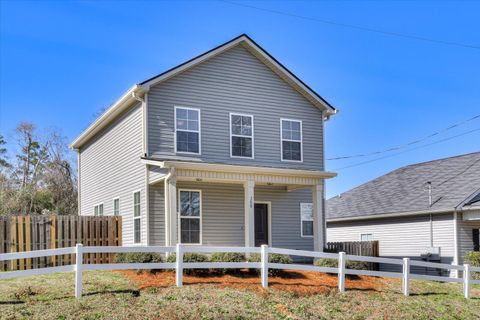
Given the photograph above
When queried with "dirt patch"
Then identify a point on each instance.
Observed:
(302, 283)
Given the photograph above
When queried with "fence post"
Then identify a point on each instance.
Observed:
(179, 265)
(466, 281)
(341, 271)
(78, 270)
(406, 276)
(264, 265)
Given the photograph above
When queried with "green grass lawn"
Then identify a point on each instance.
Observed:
(109, 295)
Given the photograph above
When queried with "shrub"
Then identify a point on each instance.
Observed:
(326, 262)
(272, 258)
(227, 257)
(333, 263)
(139, 257)
(473, 259)
(191, 257)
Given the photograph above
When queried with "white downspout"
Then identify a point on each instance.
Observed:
(456, 256)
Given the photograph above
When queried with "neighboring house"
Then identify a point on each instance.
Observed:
(226, 149)
(428, 210)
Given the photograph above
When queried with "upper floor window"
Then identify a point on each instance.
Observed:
(98, 209)
(187, 130)
(137, 226)
(241, 135)
(291, 139)
(116, 206)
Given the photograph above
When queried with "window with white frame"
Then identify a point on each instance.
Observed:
(366, 237)
(137, 224)
(187, 130)
(291, 139)
(241, 135)
(306, 216)
(116, 206)
(190, 216)
(98, 209)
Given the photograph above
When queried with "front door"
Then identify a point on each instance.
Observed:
(261, 224)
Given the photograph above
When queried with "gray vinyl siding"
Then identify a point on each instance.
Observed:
(223, 214)
(110, 167)
(286, 222)
(234, 81)
(465, 236)
(401, 236)
(157, 214)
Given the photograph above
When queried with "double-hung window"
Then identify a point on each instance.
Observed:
(116, 206)
(241, 135)
(98, 209)
(190, 216)
(187, 130)
(137, 225)
(306, 217)
(291, 139)
(366, 237)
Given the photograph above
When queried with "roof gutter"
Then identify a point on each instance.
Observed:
(125, 101)
(391, 215)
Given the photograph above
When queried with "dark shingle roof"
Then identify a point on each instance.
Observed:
(403, 190)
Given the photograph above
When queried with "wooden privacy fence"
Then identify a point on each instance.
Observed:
(358, 248)
(31, 232)
(264, 265)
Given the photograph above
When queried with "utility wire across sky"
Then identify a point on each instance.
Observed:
(412, 149)
(357, 27)
(402, 146)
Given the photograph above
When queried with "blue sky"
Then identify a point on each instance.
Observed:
(62, 62)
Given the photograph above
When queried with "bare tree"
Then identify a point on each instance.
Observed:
(42, 179)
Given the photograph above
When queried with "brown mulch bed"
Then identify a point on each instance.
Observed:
(302, 283)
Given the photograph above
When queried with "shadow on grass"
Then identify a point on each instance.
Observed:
(134, 293)
(429, 294)
(11, 302)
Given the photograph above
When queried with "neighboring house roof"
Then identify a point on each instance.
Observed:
(134, 94)
(454, 180)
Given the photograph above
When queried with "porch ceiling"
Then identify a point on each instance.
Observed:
(208, 172)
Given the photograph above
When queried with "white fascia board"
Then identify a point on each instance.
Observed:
(239, 169)
(125, 101)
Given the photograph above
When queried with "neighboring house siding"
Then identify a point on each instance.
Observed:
(465, 236)
(110, 167)
(401, 236)
(234, 81)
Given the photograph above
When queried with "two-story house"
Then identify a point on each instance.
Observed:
(226, 149)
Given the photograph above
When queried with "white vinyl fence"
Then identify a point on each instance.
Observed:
(263, 265)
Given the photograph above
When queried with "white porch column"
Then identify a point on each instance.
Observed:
(171, 211)
(318, 218)
(249, 188)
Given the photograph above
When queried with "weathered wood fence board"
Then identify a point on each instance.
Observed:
(358, 248)
(28, 233)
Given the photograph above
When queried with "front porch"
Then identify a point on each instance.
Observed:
(225, 205)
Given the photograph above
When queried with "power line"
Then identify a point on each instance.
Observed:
(412, 149)
(357, 27)
(406, 144)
